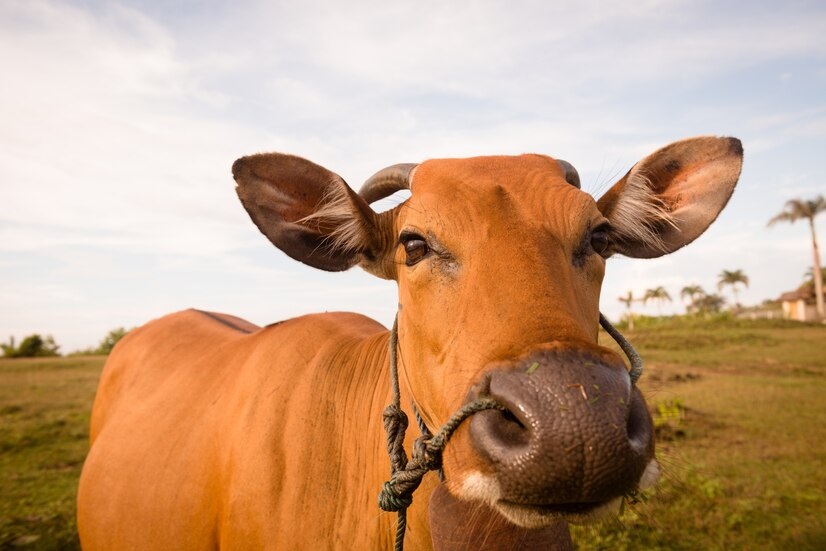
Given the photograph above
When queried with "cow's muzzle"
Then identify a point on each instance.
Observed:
(575, 435)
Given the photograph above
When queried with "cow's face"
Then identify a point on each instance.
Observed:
(495, 255)
(499, 263)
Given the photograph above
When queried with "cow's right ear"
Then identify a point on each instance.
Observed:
(307, 211)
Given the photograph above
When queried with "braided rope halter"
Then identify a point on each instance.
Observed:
(406, 476)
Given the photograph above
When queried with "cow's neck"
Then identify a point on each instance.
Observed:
(356, 378)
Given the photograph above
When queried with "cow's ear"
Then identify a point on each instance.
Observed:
(307, 211)
(671, 197)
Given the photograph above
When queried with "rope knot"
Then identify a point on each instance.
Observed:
(395, 419)
(395, 424)
(391, 500)
(425, 455)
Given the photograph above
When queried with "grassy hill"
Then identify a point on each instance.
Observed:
(740, 408)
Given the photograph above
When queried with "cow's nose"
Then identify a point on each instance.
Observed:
(575, 429)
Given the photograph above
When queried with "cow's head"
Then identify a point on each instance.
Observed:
(499, 263)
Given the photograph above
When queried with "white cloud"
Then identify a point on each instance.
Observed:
(98, 136)
(120, 125)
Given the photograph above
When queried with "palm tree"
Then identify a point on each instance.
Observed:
(628, 300)
(732, 278)
(709, 304)
(659, 295)
(795, 210)
(808, 277)
(691, 291)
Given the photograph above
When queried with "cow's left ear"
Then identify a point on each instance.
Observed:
(671, 197)
(307, 211)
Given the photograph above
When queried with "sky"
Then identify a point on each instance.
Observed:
(121, 120)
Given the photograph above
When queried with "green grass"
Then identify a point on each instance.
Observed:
(741, 414)
(741, 420)
(44, 419)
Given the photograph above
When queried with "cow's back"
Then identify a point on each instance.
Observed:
(197, 423)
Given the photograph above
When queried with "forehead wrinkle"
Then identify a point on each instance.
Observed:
(450, 214)
(568, 211)
(478, 168)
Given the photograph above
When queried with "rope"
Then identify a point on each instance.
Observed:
(405, 476)
(636, 361)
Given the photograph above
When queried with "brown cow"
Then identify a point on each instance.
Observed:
(210, 432)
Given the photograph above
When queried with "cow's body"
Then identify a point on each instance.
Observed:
(209, 432)
(220, 432)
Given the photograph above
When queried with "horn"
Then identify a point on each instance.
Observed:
(386, 182)
(571, 175)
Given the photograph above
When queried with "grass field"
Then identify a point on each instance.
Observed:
(740, 409)
(44, 431)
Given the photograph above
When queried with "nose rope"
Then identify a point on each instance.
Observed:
(405, 476)
(636, 361)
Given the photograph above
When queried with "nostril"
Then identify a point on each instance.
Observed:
(499, 433)
(507, 428)
(511, 418)
(639, 425)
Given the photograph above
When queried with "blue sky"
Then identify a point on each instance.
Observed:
(121, 122)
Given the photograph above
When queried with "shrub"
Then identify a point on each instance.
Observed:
(110, 340)
(106, 345)
(33, 346)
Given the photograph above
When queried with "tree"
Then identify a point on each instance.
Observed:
(32, 346)
(106, 345)
(795, 210)
(110, 340)
(658, 295)
(8, 348)
(691, 291)
(708, 304)
(628, 300)
(809, 280)
(732, 278)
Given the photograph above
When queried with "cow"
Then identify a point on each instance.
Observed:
(209, 432)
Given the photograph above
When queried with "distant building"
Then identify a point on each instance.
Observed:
(770, 309)
(800, 304)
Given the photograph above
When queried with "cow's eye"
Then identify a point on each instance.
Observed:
(600, 242)
(416, 249)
